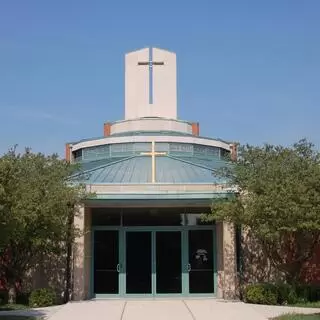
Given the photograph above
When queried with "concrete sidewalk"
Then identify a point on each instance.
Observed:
(157, 310)
(173, 309)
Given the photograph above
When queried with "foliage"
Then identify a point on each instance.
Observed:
(17, 318)
(299, 317)
(287, 294)
(13, 307)
(308, 293)
(278, 200)
(261, 294)
(44, 297)
(308, 304)
(3, 297)
(23, 298)
(37, 201)
(281, 294)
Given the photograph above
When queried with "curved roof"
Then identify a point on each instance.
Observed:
(137, 169)
(149, 138)
(149, 133)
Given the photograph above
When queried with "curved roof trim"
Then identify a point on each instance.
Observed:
(168, 138)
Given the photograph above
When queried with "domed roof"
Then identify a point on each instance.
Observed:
(138, 169)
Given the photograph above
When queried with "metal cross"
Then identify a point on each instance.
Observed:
(151, 63)
(153, 155)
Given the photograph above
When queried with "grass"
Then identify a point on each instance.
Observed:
(10, 307)
(308, 304)
(299, 317)
(16, 318)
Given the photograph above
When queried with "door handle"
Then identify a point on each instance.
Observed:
(189, 267)
(118, 268)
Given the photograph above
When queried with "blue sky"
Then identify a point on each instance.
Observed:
(248, 71)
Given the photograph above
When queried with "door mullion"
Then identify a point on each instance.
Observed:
(154, 263)
(185, 261)
(122, 262)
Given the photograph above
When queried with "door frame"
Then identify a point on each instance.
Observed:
(184, 260)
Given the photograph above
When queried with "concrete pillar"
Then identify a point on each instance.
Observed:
(226, 261)
(87, 254)
(82, 254)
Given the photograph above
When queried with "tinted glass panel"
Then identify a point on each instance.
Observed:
(201, 261)
(197, 216)
(152, 217)
(105, 217)
(106, 259)
(138, 262)
(197, 220)
(168, 262)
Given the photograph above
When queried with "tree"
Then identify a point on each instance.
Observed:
(278, 200)
(37, 202)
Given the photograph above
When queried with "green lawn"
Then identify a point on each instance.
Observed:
(9, 307)
(299, 317)
(16, 318)
(308, 304)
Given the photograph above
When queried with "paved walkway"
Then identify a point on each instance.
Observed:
(156, 310)
(201, 309)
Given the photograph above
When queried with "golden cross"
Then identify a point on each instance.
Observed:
(153, 155)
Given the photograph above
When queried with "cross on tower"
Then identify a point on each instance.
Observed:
(151, 63)
(153, 155)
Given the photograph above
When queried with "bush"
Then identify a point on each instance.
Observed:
(281, 293)
(3, 297)
(44, 297)
(308, 293)
(262, 293)
(287, 294)
(23, 298)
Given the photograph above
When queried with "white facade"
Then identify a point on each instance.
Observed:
(140, 85)
(165, 85)
(147, 124)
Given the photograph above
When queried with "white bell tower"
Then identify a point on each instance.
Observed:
(150, 84)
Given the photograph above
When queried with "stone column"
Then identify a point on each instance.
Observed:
(226, 261)
(88, 253)
(82, 254)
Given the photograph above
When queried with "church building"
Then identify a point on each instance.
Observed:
(152, 179)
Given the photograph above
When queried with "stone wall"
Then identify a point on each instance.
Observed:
(226, 262)
(256, 266)
(82, 255)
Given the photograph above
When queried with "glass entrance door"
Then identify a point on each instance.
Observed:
(168, 262)
(138, 262)
(153, 261)
(201, 263)
(106, 266)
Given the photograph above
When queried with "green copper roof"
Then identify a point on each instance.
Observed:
(138, 169)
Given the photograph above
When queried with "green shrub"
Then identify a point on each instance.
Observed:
(23, 298)
(262, 293)
(308, 293)
(44, 297)
(281, 293)
(3, 297)
(286, 294)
